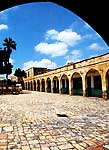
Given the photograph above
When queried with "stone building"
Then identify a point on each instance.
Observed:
(88, 77)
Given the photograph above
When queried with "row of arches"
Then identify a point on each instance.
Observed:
(72, 85)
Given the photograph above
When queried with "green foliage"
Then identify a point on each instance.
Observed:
(9, 44)
(20, 73)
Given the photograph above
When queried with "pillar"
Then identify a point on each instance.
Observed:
(40, 86)
(52, 85)
(36, 85)
(60, 85)
(104, 89)
(70, 86)
(28, 86)
(25, 85)
(84, 85)
(45, 85)
(33, 85)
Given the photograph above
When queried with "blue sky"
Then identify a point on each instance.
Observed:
(48, 35)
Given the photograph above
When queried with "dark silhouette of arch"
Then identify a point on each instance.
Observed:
(77, 84)
(95, 13)
(94, 83)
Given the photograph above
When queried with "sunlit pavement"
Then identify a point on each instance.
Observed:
(45, 121)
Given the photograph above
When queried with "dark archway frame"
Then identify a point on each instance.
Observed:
(95, 13)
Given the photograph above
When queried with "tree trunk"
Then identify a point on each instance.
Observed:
(7, 77)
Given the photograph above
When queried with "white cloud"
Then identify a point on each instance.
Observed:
(55, 49)
(3, 27)
(11, 61)
(62, 40)
(67, 36)
(51, 34)
(74, 56)
(95, 46)
(46, 63)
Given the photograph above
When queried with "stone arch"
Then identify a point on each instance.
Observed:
(27, 85)
(64, 84)
(38, 85)
(93, 83)
(77, 86)
(48, 82)
(55, 84)
(78, 8)
(43, 85)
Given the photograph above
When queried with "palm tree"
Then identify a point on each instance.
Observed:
(9, 45)
(8, 69)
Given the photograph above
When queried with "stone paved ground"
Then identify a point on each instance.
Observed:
(30, 122)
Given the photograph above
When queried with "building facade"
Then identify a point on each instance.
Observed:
(88, 77)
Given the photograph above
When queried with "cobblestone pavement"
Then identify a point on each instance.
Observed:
(46, 121)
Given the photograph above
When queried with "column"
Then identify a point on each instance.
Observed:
(104, 89)
(52, 86)
(70, 86)
(45, 85)
(40, 86)
(24, 86)
(28, 86)
(36, 86)
(60, 85)
(84, 85)
(33, 85)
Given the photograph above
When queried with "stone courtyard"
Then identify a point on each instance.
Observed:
(46, 121)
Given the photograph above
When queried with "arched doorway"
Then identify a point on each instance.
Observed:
(64, 84)
(93, 83)
(48, 85)
(43, 85)
(78, 8)
(38, 85)
(77, 88)
(34, 85)
(55, 85)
